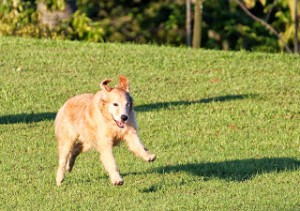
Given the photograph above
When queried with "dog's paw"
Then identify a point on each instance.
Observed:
(59, 181)
(59, 177)
(150, 157)
(118, 181)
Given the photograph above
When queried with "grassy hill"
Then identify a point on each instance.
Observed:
(224, 127)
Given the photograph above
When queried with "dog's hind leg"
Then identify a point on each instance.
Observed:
(64, 150)
(76, 150)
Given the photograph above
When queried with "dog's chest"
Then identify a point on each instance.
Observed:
(118, 136)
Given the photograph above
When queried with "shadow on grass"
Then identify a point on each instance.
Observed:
(38, 117)
(166, 105)
(234, 170)
(27, 118)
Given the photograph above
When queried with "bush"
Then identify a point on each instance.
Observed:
(143, 21)
(23, 18)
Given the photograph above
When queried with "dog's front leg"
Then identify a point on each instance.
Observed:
(135, 145)
(109, 163)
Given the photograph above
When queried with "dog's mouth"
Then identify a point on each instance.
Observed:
(120, 124)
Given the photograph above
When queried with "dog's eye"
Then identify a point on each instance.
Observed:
(115, 104)
(127, 104)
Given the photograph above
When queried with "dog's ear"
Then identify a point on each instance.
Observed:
(123, 83)
(104, 85)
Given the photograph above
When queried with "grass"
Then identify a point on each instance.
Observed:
(224, 126)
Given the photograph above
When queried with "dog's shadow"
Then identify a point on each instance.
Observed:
(233, 170)
(167, 105)
(48, 116)
(27, 118)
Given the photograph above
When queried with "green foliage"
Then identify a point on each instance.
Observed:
(286, 20)
(17, 17)
(251, 3)
(236, 30)
(21, 18)
(224, 127)
(283, 19)
(55, 4)
(142, 21)
(82, 28)
(159, 22)
(225, 26)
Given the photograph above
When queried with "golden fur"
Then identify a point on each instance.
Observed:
(98, 121)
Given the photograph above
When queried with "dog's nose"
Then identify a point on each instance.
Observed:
(124, 118)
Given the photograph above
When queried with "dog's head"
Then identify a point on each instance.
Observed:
(117, 101)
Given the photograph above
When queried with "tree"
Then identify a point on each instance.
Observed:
(291, 26)
(197, 31)
(55, 13)
(188, 23)
(296, 38)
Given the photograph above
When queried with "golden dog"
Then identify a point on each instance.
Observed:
(101, 121)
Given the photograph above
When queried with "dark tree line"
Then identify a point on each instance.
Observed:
(264, 25)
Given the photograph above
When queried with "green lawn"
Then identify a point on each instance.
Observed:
(225, 127)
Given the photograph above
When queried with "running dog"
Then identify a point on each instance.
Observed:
(99, 121)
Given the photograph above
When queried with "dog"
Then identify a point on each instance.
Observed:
(99, 121)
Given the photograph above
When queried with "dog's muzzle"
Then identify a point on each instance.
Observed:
(121, 124)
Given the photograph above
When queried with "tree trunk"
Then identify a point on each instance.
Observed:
(296, 41)
(197, 24)
(188, 23)
(53, 18)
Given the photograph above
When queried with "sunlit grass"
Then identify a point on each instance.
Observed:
(224, 127)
